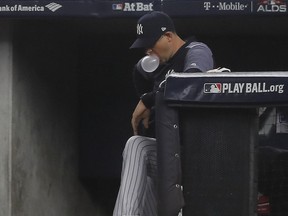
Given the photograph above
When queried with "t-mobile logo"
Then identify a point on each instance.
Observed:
(207, 5)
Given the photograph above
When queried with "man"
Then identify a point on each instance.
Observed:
(157, 35)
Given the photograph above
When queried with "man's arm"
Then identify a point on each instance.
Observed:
(144, 89)
(142, 84)
(141, 113)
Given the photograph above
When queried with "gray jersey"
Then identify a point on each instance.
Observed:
(199, 56)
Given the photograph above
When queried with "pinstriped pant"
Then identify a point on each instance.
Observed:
(137, 192)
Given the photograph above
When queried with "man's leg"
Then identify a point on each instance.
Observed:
(137, 192)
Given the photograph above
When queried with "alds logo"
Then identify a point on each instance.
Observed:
(272, 6)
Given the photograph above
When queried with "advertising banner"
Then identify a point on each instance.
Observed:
(102, 8)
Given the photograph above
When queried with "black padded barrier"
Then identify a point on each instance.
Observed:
(218, 154)
(230, 89)
(218, 130)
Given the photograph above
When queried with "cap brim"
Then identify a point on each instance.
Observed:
(143, 43)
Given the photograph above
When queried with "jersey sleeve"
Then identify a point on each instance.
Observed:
(142, 84)
(144, 88)
(199, 58)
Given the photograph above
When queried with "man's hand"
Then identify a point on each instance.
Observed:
(140, 113)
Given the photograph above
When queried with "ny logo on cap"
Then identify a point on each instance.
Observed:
(139, 29)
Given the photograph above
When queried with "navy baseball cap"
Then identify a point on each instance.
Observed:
(151, 27)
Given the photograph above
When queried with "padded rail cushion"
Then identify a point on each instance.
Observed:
(226, 88)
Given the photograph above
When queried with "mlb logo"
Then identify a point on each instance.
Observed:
(212, 88)
(117, 6)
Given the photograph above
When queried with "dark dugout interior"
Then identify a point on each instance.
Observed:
(106, 92)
